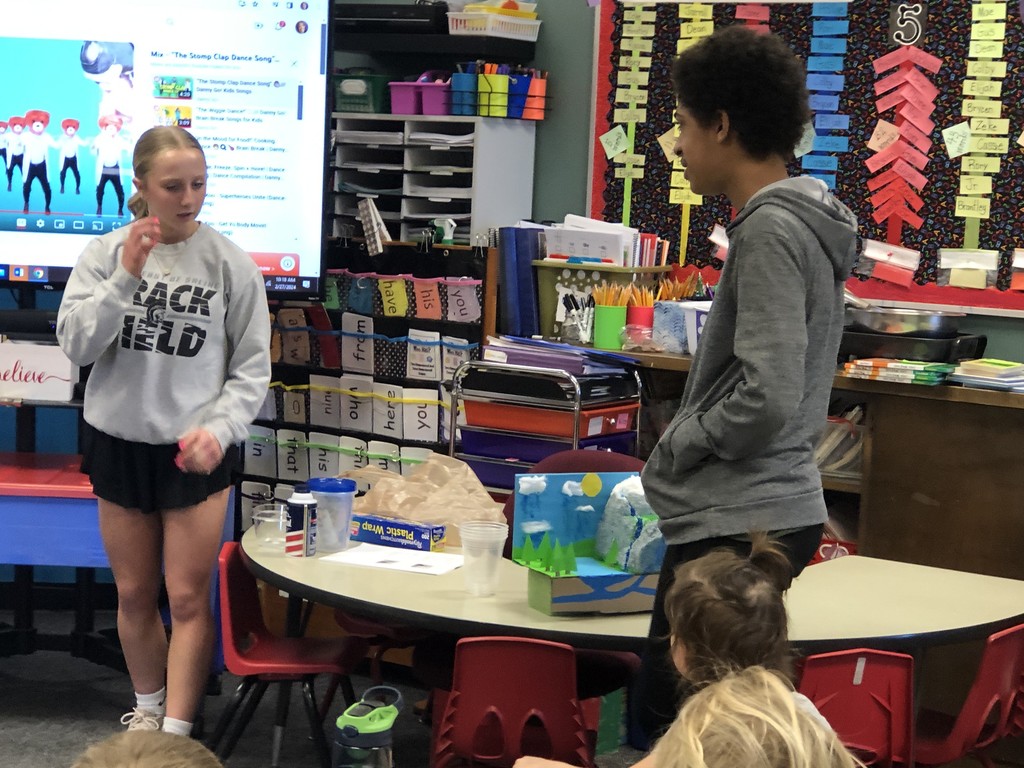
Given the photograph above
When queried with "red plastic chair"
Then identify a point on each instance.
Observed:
(512, 697)
(867, 697)
(260, 658)
(988, 712)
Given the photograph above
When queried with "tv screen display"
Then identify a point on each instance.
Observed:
(82, 80)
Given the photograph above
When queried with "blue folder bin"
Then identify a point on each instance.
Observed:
(463, 93)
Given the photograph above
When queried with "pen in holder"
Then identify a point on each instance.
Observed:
(492, 95)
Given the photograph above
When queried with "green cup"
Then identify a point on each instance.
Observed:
(609, 320)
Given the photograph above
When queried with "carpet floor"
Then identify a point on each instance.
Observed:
(53, 705)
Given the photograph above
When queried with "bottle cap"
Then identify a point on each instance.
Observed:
(301, 488)
(332, 485)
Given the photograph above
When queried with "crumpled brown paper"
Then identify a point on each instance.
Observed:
(440, 490)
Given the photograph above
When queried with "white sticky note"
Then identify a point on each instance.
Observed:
(356, 343)
(806, 143)
(957, 139)
(614, 141)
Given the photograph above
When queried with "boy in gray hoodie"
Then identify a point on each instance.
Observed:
(739, 454)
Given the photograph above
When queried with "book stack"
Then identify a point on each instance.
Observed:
(990, 373)
(902, 371)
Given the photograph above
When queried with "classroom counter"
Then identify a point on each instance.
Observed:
(942, 473)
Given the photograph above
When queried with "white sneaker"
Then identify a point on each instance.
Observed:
(142, 720)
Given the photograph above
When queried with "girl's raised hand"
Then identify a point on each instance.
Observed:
(143, 236)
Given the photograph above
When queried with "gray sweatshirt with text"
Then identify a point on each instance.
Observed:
(170, 352)
(739, 454)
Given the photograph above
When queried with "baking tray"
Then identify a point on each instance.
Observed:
(965, 346)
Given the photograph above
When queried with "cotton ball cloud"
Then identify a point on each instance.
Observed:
(572, 488)
(532, 484)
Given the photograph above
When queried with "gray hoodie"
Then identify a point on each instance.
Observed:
(739, 454)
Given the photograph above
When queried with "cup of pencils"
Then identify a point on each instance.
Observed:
(640, 307)
(610, 301)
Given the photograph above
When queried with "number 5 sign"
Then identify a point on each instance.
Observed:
(907, 23)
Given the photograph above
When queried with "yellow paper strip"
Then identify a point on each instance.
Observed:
(696, 28)
(973, 207)
(678, 179)
(987, 11)
(637, 30)
(974, 164)
(634, 62)
(646, 45)
(968, 278)
(981, 108)
(986, 68)
(629, 116)
(695, 11)
(631, 158)
(687, 42)
(634, 77)
(988, 89)
(629, 172)
(985, 49)
(631, 96)
(639, 14)
(991, 145)
(975, 185)
(989, 125)
(684, 196)
(988, 30)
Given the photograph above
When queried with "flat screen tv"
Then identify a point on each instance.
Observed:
(82, 80)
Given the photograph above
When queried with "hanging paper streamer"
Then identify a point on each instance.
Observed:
(695, 23)
(825, 82)
(900, 143)
(987, 132)
(631, 93)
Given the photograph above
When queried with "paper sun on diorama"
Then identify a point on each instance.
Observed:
(590, 540)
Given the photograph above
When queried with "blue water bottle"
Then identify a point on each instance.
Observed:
(300, 541)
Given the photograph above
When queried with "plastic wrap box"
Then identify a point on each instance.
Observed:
(392, 532)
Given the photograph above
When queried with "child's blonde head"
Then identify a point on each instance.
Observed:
(749, 718)
(726, 612)
(147, 749)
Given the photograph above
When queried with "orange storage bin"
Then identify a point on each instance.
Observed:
(603, 420)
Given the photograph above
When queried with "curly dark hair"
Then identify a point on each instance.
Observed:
(756, 79)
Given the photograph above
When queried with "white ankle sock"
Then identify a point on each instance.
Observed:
(152, 702)
(179, 727)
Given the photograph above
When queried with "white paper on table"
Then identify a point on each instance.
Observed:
(396, 559)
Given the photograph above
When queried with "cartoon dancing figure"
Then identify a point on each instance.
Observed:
(15, 148)
(109, 146)
(3, 143)
(37, 142)
(69, 142)
(112, 67)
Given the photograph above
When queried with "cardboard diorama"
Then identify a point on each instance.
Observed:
(590, 540)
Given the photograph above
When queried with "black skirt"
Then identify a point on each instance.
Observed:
(144, 476)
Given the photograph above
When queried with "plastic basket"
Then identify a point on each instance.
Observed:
(493, 25)
(360, 92)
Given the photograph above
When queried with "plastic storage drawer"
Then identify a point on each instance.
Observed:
(606, 420)
(532, 449)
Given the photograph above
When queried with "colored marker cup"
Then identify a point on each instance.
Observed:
(609, 320)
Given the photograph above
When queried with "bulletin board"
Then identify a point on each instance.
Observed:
(947, 36)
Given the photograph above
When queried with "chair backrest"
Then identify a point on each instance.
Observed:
(867, 697)
(512, 697)
(241, 615)
(988, 711)
(574, 460)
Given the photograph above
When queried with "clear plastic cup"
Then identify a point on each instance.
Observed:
(270, 524)
(482, 542)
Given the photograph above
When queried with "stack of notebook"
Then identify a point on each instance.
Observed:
(990, 373)
(903, 371)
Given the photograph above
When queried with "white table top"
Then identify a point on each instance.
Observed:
(847, 602)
